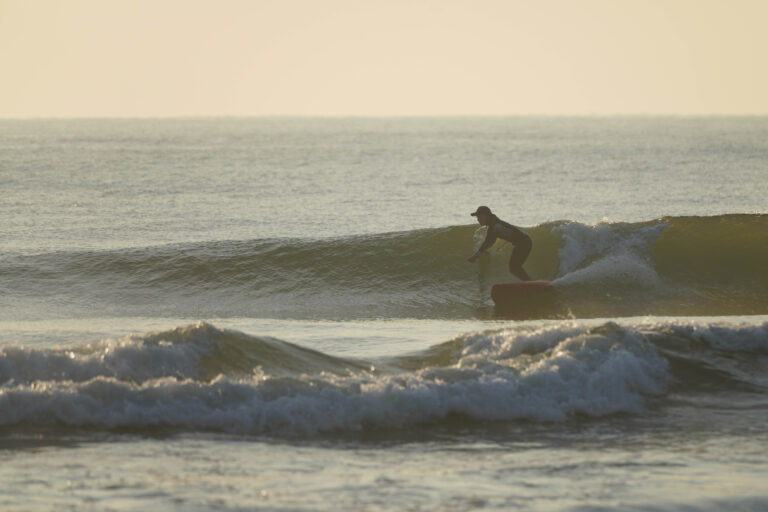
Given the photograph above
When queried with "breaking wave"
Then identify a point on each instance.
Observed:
(201, 377)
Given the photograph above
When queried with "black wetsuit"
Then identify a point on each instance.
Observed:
(497, 228)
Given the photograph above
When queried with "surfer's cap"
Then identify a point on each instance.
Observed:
(481, 210)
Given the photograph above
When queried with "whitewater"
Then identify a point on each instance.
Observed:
(278, 314)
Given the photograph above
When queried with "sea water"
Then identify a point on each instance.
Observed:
(278, 314)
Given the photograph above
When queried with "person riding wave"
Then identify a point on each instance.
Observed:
(497, 228)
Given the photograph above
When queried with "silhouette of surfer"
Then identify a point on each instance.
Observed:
(497, 228)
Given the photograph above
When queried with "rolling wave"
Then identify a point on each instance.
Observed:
(673, 265)
(200, 377)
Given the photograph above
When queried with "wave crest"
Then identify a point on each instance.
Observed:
(675, 265)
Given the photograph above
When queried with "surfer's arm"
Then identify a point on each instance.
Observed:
(490, 238)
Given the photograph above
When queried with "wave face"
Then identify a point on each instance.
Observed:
(673, 265)
(200, 377)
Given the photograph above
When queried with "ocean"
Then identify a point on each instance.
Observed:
(278, 314)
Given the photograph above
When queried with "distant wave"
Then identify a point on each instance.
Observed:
(200, 377)
(673, 265)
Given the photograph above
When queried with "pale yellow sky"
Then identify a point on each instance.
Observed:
(86, 58)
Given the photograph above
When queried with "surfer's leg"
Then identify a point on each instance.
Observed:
(519, 255)
(520, 273)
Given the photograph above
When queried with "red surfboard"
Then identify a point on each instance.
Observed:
(505, 293)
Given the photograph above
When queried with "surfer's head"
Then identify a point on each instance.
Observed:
(483, 214)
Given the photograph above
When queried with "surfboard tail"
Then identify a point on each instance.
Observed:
(504, 293)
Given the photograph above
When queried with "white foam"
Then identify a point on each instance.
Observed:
(545, 374)
(136, 357)
(607, 251)
(540, 373)
(741, 337)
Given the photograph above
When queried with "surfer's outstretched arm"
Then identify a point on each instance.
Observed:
(490, 238)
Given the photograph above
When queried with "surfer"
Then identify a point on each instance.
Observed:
(497, 228)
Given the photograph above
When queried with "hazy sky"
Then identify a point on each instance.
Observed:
(389, 57)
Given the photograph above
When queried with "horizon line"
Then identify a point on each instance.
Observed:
(380, 116)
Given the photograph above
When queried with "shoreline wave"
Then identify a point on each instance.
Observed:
(200, 377)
